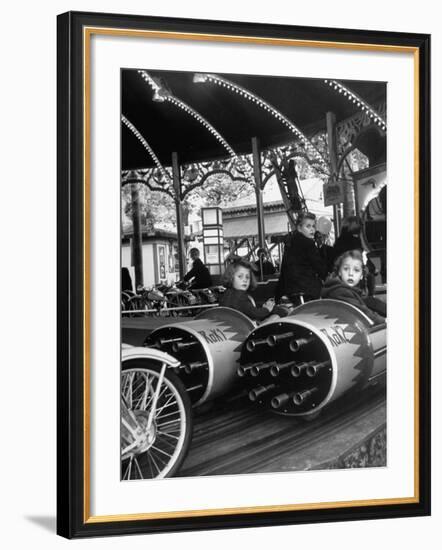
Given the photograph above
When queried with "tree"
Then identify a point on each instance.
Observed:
(219, 189)
(156, 208)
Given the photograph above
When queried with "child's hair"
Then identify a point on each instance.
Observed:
(354, 254)
(351, 225)
(305, 216)
(232, 266)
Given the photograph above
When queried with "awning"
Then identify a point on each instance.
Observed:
(168, 128)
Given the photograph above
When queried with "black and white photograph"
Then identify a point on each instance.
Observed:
(253, 274)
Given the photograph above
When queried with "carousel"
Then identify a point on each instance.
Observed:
(212, 393)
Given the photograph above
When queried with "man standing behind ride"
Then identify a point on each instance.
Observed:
(264, 265)
(302, 268)
(199, 272)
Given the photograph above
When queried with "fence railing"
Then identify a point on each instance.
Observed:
(166, 310)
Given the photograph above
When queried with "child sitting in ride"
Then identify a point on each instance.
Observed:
(344, 282)
(239, 279)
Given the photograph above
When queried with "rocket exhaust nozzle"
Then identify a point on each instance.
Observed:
(259, 391)
(258, 367)
(178, 346)
(243, 371)
(273, 339)
(252, 344)
(163, 341)
(279, 367)
(300, 397)
(299, 368)
(297, 343)
(190, 367)
(313, 370)
(279, 400)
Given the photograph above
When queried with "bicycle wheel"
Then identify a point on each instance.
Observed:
(156, 422)
(136, 305)
(173, 302)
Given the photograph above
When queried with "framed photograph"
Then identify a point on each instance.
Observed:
(224, 270)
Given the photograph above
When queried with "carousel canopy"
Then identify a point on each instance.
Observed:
(164, 108)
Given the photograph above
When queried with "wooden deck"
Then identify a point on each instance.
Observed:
(236, 437)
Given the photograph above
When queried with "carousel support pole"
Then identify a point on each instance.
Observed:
(350, 193)
(258, 190)
(137, 244)
(179, 212)
(333, 155)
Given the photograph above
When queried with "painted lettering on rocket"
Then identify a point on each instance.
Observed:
(335, 335)
(214, 336)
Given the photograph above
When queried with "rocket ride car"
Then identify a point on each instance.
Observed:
(208, 348)
(296, 365)
(300, 364)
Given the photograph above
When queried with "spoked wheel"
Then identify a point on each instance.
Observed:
(156, 421)
(173, 303)
(136, 304)
(182, 302)
(186, 312)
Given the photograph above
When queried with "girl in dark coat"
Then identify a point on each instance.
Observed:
(239, 279)
(302, 268)
(344, 284)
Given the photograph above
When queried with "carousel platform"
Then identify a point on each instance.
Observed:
(236, 437)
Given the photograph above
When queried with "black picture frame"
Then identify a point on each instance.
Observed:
(73, 518)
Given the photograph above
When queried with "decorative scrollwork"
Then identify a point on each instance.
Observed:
(349, 129)
(273, 161)
(149, 177)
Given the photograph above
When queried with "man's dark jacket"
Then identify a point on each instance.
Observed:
(302, 268)
(345, 242)
(199, 271)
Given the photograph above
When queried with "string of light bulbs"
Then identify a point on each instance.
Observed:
(220, 81)
(354, 98)
(148, 148)
(188, 109)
